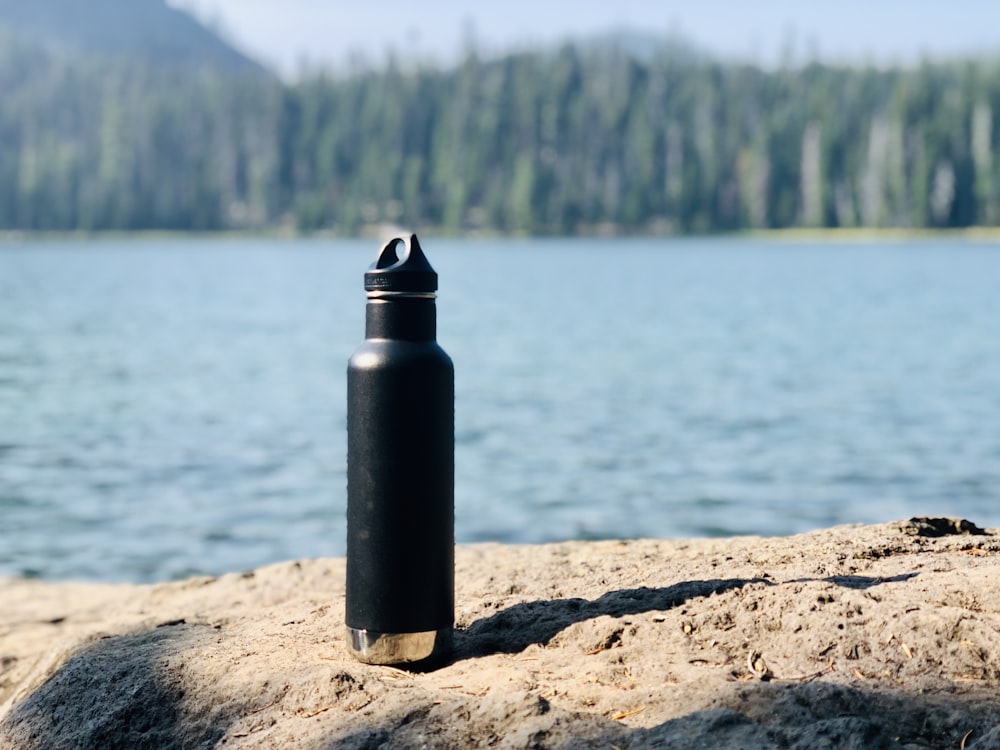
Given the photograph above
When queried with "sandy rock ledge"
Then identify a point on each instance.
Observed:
(854, 637)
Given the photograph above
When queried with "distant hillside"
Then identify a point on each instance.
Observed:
(131, 29)
(608, 135)
(644, 46)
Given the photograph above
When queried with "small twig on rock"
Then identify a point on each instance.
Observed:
(808, 677)
(395, 674)
(758, 668)
(317, 712)
(626, 714)
(264, 708)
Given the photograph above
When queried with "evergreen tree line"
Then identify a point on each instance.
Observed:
(578, 140)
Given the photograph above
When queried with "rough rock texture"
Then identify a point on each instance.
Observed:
(854, 637)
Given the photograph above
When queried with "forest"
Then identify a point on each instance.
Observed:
(575, 140)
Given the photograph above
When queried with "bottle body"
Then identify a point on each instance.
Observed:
(400, 488)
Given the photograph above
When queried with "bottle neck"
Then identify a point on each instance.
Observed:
(406, 318)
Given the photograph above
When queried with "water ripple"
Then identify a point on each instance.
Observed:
(177, 407)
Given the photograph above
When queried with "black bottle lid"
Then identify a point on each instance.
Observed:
(412, 273)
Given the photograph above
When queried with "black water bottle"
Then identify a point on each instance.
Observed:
(400, 470)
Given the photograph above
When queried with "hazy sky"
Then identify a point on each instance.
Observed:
(283, 32)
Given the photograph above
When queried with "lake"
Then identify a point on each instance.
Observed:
(172, 407)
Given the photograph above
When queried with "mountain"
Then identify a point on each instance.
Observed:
(146, 30)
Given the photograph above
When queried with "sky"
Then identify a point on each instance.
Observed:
(284, 33)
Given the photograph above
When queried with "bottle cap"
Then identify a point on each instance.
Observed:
(411, 273)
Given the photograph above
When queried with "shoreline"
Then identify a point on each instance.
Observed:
(376, 234)
(853, 636)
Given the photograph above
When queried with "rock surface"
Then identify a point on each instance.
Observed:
(853, 637)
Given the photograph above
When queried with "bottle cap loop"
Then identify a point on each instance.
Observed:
(411, 273)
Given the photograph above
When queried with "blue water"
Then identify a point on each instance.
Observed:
(177, 407)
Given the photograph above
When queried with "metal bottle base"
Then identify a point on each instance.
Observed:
(399, 648)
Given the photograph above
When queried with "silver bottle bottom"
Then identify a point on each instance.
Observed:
(399, 648)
